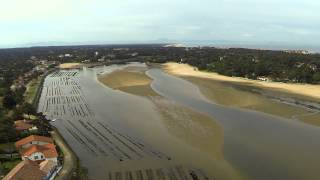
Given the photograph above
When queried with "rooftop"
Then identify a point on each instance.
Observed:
(25, 170)
(31, 138)
(47, 166)
(49, 150)
(22, 125)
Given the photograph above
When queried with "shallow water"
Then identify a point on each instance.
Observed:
(114, 133)
(122, 135)
(261, 145)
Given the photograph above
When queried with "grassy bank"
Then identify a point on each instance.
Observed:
(71, 168)
(31, 91)
(7, 166)
(38, 90)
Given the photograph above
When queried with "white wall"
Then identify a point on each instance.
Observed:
(34, 142)
(33, 156)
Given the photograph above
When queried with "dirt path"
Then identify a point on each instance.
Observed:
(69, 158)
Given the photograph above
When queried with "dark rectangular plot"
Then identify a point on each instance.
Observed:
(139, 175)
(150, 175)
(118, 176)
(194, 176)
(129, 175)
(160, 174)
(172, 175)
(181, 173)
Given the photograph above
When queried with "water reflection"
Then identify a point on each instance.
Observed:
(113, 133)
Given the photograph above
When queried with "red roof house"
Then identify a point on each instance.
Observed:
(22, 125)
(33, 139)
(25, 170)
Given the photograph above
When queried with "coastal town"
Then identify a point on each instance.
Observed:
(159, 90)
(47, 87)
(35, 153)
(39, 158)
(29, 149)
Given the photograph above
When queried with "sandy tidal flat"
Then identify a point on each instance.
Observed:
(129, 80)
(300, 89)
(69, 65)
(243, 93)
(193, 129)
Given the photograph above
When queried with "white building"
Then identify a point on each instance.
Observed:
(40, 153)
(37, 148)
(263, 78)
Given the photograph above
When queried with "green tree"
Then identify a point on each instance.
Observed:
(9, 101)
(316, 77)
(7, 130)
(28, 109)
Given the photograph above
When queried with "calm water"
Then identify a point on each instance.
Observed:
(263, 146)
(112, 131)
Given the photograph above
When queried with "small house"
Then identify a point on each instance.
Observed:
(33, 140)
(25, 170)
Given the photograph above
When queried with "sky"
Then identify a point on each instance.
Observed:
(110, 21)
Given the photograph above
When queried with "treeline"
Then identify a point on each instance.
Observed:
(12, 105)
(249, 63)
(275, 65)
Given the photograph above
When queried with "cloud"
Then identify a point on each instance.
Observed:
(17, 10)
(103, 20)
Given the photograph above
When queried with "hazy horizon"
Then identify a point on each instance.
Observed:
(217, 44)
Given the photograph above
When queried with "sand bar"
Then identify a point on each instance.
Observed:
(300, 89)
(191, 128)
(69, 65)
(130, 80)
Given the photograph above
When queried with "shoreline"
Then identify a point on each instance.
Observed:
(71, 162)
(307, 90)
(249, 94)
(70, 159)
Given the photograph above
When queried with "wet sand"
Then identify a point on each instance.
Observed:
(299, 89)
(131, 80)
(238, 93)
(261, 145)
(194, 129)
